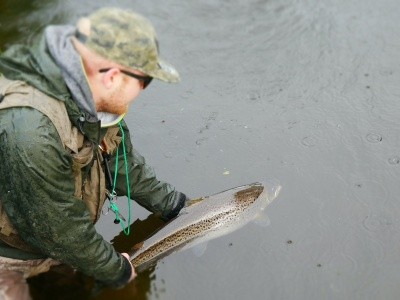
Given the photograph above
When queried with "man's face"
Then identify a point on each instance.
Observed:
(124, 90)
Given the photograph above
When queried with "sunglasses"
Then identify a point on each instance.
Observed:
(145, 79)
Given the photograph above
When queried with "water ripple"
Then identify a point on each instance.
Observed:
(309, 141)
(376, 222)
(394, 160)
(374, 137)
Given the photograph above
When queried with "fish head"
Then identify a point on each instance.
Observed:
(248, 194)
(258, 193)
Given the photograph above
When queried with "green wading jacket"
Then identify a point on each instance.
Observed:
(37, 183)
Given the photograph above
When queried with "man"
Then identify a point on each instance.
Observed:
(64, 147)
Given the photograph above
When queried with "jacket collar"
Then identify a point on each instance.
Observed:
(35, 66)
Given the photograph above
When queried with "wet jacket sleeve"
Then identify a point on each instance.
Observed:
(154, 195)
(37, 188)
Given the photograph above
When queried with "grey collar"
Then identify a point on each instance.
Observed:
(58, 38)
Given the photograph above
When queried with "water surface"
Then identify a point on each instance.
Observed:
(302, 91)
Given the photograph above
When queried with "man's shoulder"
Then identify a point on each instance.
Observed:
(25, 123)
(30, 108)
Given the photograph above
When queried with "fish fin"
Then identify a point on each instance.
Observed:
(194, 201)
(199, 249)
(262, 220)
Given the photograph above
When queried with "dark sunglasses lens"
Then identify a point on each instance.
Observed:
(146, 82)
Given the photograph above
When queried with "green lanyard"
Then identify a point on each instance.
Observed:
(113, 204)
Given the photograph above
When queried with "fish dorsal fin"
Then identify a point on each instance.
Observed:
(190, 202)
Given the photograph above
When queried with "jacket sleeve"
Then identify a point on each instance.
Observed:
(154, 195)
(37, 188)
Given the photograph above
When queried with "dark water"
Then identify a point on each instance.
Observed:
(306, 92)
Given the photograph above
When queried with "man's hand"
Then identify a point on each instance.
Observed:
(179, 203)
(133, 269)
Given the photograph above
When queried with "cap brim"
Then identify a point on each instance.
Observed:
(165, 72)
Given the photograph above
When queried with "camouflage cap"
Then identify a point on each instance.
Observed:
(126, 38)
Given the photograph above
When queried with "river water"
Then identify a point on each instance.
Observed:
(305, 92)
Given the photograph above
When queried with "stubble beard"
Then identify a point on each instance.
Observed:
(114, 104)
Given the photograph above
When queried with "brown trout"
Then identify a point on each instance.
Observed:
(204, 219)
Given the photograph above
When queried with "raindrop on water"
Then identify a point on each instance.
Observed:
(167, 154)
(376, 222)
(374, 137)
(308, 141)
(254, 96)
(394, 160)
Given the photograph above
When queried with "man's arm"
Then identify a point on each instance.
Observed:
(146, 189)
(37, 188)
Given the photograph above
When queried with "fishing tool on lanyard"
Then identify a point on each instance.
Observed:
(111, 183)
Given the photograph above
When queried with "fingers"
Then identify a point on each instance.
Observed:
(133, 269)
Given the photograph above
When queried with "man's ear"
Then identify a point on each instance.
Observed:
(111, 77)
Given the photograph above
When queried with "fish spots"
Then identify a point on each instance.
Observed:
(182, 237)
(239, 200)
(249, 195)
(289, 242)
(319, 265)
